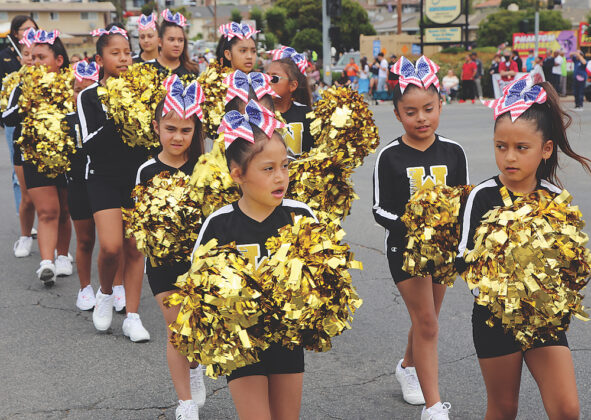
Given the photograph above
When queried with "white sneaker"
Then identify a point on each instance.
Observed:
(63, 266)
(197, 386)
(409, 382)
(46, 272)
(187, 410)
(119, 298)
(133, 328)
(103, 311)
(22, 247)
(86, 299)
(437, 412)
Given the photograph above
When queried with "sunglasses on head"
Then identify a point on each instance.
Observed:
(275, 79)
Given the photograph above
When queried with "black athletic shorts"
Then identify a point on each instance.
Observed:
(162, 278)
(17, 157)
(494, 341)
(109, 193)
(78, 201)
(34, 179)
(273, 361)
(395, 255)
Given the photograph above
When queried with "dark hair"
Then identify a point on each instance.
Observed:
(104, 39)
(241, 152)
(58, 49)
(237, 104)
(196, 148)
(157, 31)
(302, 93)
(186, 61)
(551, 120)
(363, 62)
(397, 94)
(15, 25)
(223, 45)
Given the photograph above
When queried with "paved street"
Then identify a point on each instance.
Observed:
(54, 365)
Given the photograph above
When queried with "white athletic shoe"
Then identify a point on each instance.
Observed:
(63, 266)
(46, 272)
(133, 328)
(103, 311)
(197, 386)
(409, 382)
(437, 412)
(119, 298)
(86, 299)
(22, 247)
(187, 410)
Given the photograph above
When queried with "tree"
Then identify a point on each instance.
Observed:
(236, 16)
(276, 18)
(256, 14)
(352, 23)
(307, 39)
(270, 41)
(148, 8)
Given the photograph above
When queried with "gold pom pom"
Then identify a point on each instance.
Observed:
(431, 218)
(530, 263)
(219, 323)
(165, 221)
(9, 82)
(215, 95)
(131, 101)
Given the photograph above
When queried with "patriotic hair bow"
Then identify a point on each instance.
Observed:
(28, 38)
(176, 18)
(287, 52)
(113, 30)
(84, 70)
(236, 125)
(519, 96)
(422, 74)
(239, 84)
(238, 30)
(186, 101)
(147, 22)
(42, 37)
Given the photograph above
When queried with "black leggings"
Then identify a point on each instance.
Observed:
(468, 89)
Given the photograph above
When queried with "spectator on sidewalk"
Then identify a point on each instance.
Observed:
(450, 86)
(508, 69)
(352, 70)
(579, 79)
(557, 70)
(478, 75)
(517, 60)
(392, 77)
(468, 86)
(382, 73)
(530, 61)
(563, 74)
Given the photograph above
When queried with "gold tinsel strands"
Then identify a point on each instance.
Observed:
(46, 99)
(307, 279)
(530, 263)
(165, 221)
(215, 95)
(431, 218)
(219, 321)
(131, 101)
(9, 82)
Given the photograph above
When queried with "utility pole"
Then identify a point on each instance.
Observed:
(537, 28)
(326, 59)
(399, 17)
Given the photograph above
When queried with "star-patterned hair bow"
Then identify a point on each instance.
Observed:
(42, 37)
(519, 96)
(287, 52)
(238, 30)
(147, 22)
(84, 70)
(185, 100)
(177, 18)
(28, 38)
(239, 84)
(422, 74)
(112, 31)
(236, 125)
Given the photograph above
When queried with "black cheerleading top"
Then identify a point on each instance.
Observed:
(8, 62)
(12, 116)
(138, 58)
(401, 170)
(78, 160)
(230, 224)
(180, 71)
(297, 132)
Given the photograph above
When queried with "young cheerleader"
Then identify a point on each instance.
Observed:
(288, 77)
(174, 50)
(258, 162)
(181, 138)
(148, 37)
(418, 159)
(236, 48)
(526, 152)
(111, 170)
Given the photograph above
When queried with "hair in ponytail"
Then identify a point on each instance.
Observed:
(302, 93)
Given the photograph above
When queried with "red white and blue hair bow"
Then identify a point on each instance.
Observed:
(287, 52)
(185, 100)
(177, 18)
(112, 31)
(28, 38)
(84, 70)
(42, 37)
(238, 30)
(236, 125)
(422, 74)
(239, 84)
(519, 96)
(147, 22)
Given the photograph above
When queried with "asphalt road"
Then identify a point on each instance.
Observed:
(54, 365)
